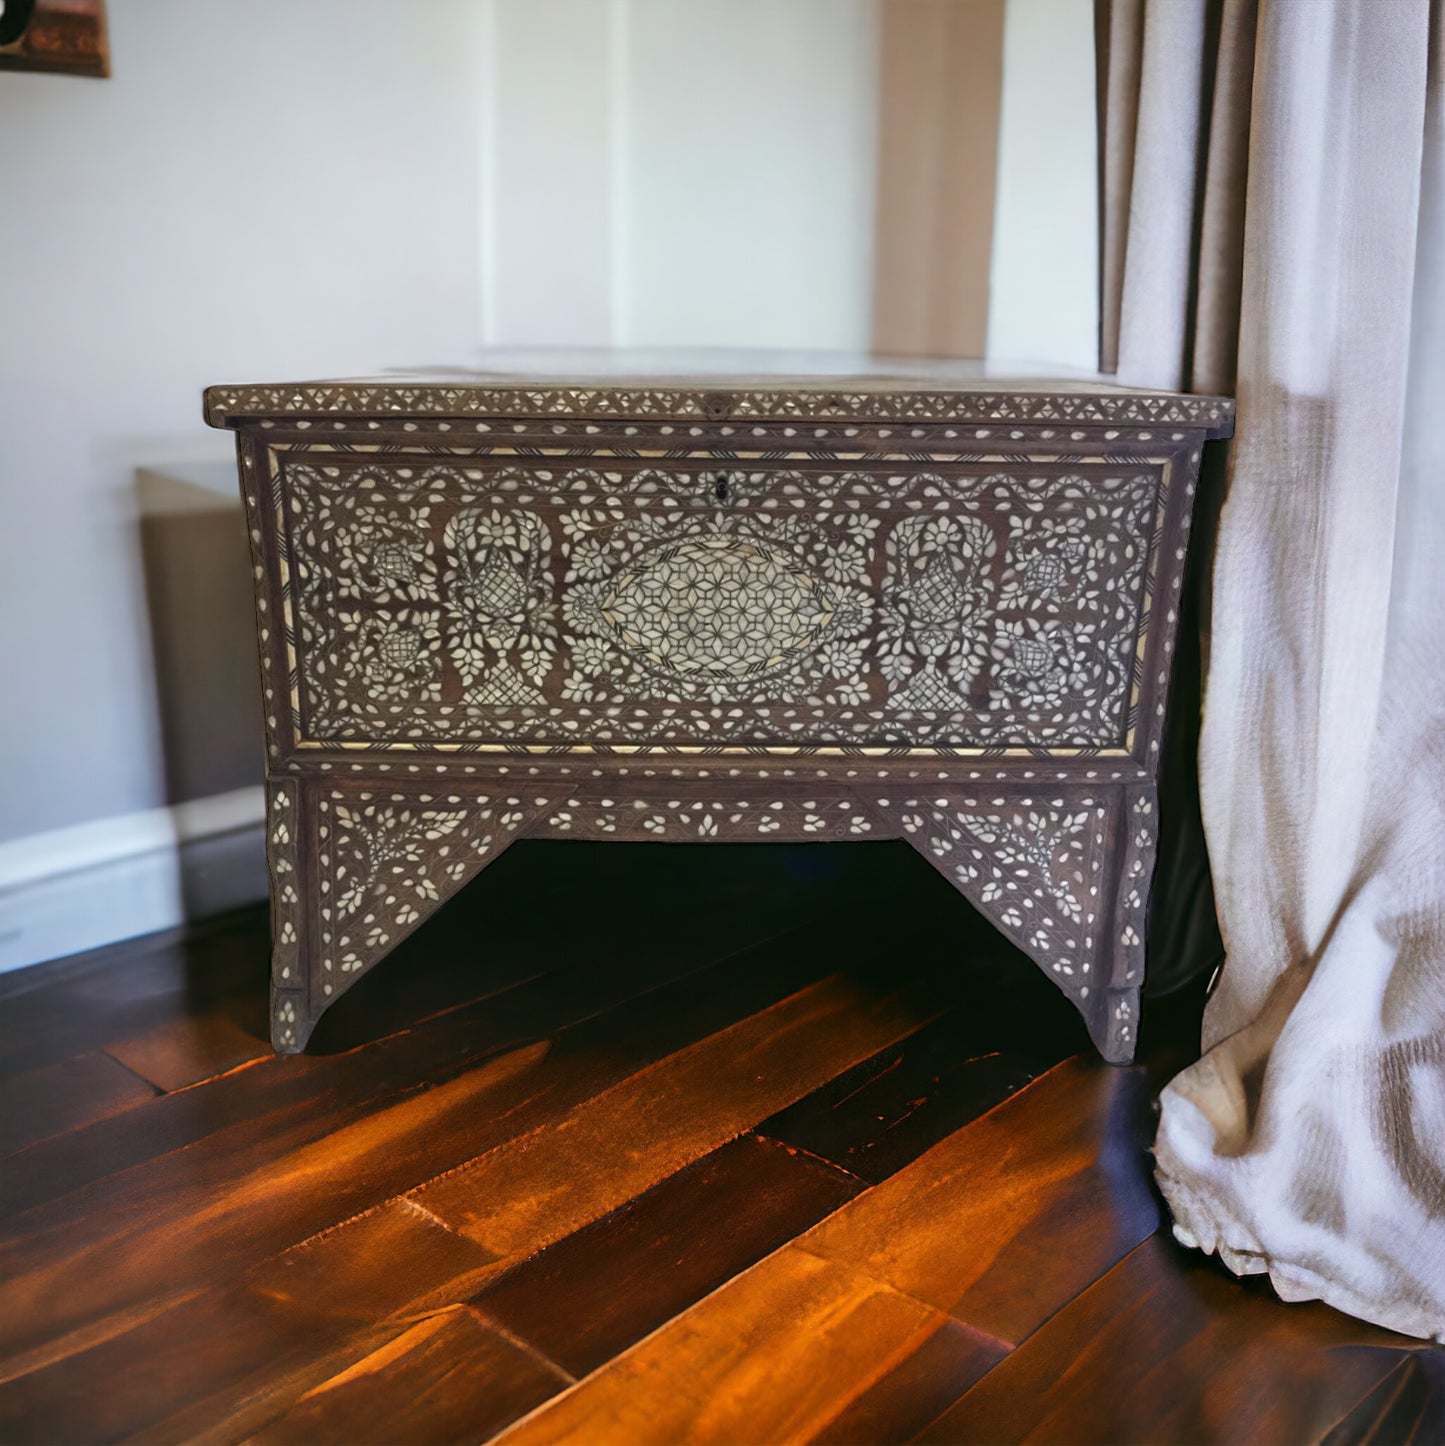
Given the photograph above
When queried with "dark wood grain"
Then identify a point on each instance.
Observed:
(876, 1118)
(472, 983)
(1007, 1220)
(1167, 1347)
(107, 995)
(1407, 1407)
(161, 1255)
(208, 1355)
(65, 1096)
(775, 1355)
(323, 1092)
(913, 1393)
(448, 1378)
(613, 910)
(541, 1186)
(249, 1347)
(184, 1052)
(1007, 1025)
(318, 1094)
(150, 1242)
(999, 1226)
(606, 1286)
(274, 1179)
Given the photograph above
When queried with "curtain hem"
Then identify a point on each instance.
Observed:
(1198, 1226)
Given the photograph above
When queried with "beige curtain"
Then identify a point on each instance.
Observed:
(1274, 224)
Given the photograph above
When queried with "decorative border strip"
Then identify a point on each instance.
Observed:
(289, 982)
(827, 814)
(709, 750)
(226, 405)
(378, 766)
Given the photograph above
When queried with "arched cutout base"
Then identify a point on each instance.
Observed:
(1062, 872)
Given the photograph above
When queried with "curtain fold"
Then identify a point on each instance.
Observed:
(1274, 224)
(1171, 211)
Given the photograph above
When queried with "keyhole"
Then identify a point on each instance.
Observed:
(720, 487)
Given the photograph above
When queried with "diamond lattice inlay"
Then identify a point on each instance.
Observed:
(718, 606)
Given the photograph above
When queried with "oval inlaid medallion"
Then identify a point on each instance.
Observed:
(717, 606)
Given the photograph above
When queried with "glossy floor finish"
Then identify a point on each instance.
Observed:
(631, 1144)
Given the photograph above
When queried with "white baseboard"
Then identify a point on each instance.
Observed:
(78, 888)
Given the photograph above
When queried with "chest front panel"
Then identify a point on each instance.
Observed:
(618, 603)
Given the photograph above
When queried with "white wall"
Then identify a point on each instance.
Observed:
(680, 172)
(549, 186)
(701, 172)
(263, 189)
(1043, 284)
(752, 135)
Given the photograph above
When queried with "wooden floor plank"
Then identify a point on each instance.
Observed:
(334, 1295)
(609, 1149)
(107, 995)
(1166, 1348)
(65, 1096)
(967, 1229)
(545, 903)
(286, 1102)
(184, 1052)
(213, 1343)
(246, 1347)
(922, 1385)
(322, 1089)
(511, 1201)
(774, 1356)
(1384, 1414)
(876, 1118)
(155, 1254)
(182, 1224)
(501, 994)
(335, 1274)
(1008, 1219)
(1407, 1408)
(604, 1287)
(244, 1409)
(449, 1378)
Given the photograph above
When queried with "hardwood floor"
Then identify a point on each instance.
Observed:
(631, 1144)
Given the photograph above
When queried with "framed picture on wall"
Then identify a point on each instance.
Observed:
(67, 36)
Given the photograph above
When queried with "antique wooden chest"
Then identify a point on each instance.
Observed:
(919, 605)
